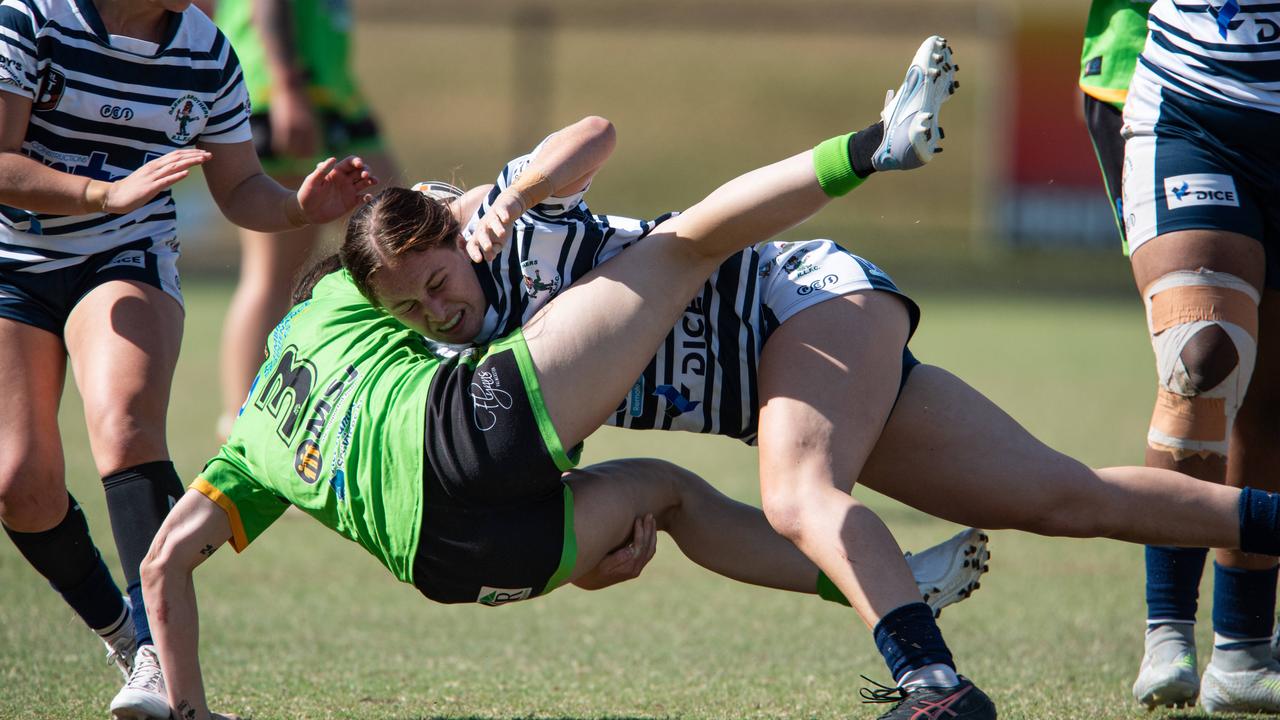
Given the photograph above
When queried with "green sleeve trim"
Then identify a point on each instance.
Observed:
(828, 591)
(833, 167)
(563, 459)
(569, 548)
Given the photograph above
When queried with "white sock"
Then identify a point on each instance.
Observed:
(935, 675)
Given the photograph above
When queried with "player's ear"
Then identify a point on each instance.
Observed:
(460, 242)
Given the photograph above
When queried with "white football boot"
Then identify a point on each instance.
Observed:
(910, 115)
(1167, 676)
(948, 572)
(143, 697)
(1244, 680)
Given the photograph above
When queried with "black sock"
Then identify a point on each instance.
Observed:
(66, 556)
(1259, 522)
(862, 147)
(138, 499)
(909, 639)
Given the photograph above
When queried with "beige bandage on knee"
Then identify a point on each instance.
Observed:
(1190, 420)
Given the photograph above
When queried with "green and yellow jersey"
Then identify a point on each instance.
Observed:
(1113, 39)
(334, 426)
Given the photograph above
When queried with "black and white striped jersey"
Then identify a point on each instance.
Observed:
(104, 105)
(1217, 50)
(702, 378)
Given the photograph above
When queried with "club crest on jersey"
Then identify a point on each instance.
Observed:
(1182, 191)
(534, 284)
(189, 113)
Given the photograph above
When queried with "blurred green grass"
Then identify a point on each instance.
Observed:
(304, 625)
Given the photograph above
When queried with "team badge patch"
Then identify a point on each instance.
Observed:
(1181, 191)
(189, 113)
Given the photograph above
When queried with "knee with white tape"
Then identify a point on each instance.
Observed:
(1204, 329)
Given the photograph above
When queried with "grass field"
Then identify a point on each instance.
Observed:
(305, 625)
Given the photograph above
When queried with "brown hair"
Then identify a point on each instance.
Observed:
(395, 222)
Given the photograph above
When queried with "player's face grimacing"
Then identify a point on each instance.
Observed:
(433, 291)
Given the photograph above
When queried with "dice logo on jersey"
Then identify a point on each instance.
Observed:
(52, 85)
(678, 402)
(487, 396)
(1193, 189)
(494, 597)
(189, 113)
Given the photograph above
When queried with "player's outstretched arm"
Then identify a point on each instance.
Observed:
(250, 198)
(31, 185)
(564, 165)
(194, 529)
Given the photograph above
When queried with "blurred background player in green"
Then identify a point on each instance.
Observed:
(1244, 585)
(296, 56)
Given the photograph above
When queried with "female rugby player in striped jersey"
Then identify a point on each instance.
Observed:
(105, 105)
(982, 469)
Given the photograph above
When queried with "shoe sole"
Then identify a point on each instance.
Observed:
(1178, 697)
(133, 706)
(970, 558)
(933, 62)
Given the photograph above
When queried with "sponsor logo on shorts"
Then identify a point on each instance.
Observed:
(487, 397)
(128, 258)
(824, 281)
(493, 597)
(1182, 191)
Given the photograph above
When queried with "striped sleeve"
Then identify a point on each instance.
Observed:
(229, 112)
(18, 61)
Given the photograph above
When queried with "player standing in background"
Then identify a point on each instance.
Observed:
(106, 104)
(1201, 175)
(296, 56)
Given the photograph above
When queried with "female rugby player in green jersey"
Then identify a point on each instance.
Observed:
(981, 466)
(449, 471)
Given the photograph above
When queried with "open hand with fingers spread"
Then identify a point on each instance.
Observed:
(334, 189)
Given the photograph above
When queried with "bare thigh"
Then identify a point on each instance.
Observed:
(33, 495)
(828, 377)
(123, 339)
(951, 452)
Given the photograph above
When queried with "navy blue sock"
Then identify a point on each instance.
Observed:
(1244, 603)
(1259, 522)
(66, 556)
(1173, 583)
(909, 638)
(138, 499)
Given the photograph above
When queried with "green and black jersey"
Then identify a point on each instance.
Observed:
(333, 425)
(1113, 39)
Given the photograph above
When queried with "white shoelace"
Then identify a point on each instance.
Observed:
(146, 673)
